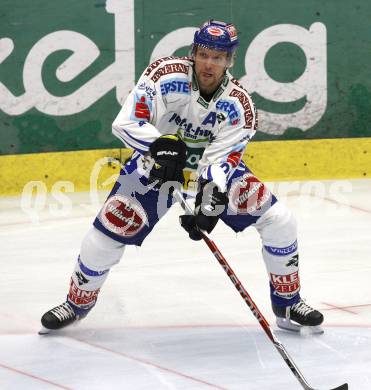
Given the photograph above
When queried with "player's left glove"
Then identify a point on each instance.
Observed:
(209, 205)
(169, 153)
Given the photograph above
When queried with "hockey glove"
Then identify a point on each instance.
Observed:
(169, 153)
(209, 205)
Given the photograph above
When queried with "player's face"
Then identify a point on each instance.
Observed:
(210, 66)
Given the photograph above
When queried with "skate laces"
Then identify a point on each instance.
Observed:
(63, 312)
(302, 308)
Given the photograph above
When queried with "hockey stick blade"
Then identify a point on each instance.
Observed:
(249, 301)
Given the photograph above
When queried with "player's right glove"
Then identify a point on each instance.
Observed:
(210, 203)
(169, 153)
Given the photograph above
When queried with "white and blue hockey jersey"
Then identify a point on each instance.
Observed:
(167, 100)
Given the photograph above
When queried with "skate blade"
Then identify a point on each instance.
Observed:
(286, 324)
(43, 331)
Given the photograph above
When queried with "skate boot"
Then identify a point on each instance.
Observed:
(298, 317)
(61, 316)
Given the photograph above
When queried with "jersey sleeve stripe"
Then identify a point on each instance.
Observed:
(209, 175)
(127, 143)
(144, 143)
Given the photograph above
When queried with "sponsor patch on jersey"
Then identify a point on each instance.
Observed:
(142, 109)
(229, 107)
(245, 102)
(282, 251)
(149, 91)
(156, 63)
(176, 85)
(221, 117)
(234, 158)
(176, 67)
(80, 297)
(287, 285)
(248, 195)
(188, 133)
(123, 216)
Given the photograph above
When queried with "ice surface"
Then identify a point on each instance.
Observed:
(169, 318)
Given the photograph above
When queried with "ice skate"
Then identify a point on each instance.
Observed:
(299, 317)
(59, 317)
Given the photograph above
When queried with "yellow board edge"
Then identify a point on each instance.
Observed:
(269, 160)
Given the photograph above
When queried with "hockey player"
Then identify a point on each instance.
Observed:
(189, 121)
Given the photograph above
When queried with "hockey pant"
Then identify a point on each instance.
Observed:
(132, 210)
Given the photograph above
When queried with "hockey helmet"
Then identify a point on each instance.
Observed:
(216, 35)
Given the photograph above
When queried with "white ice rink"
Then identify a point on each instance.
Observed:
(168, 317)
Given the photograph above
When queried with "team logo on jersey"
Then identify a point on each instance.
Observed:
(248, 195)
(176, 85)
(287, 285)
(123, 216)
(230, 109)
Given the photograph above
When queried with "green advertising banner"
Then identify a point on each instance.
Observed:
(67, 66)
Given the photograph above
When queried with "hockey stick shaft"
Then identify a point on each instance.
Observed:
(249, 301)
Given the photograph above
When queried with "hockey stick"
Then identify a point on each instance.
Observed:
(250, 303)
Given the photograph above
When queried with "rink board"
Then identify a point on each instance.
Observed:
(270, 160)
(306, 67)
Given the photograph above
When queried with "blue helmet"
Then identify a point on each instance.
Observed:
(216, 35)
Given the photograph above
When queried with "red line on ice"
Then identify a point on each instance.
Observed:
(333, 201)
(147, 362)
(348, 205)
(342, 308)
(34, 377)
